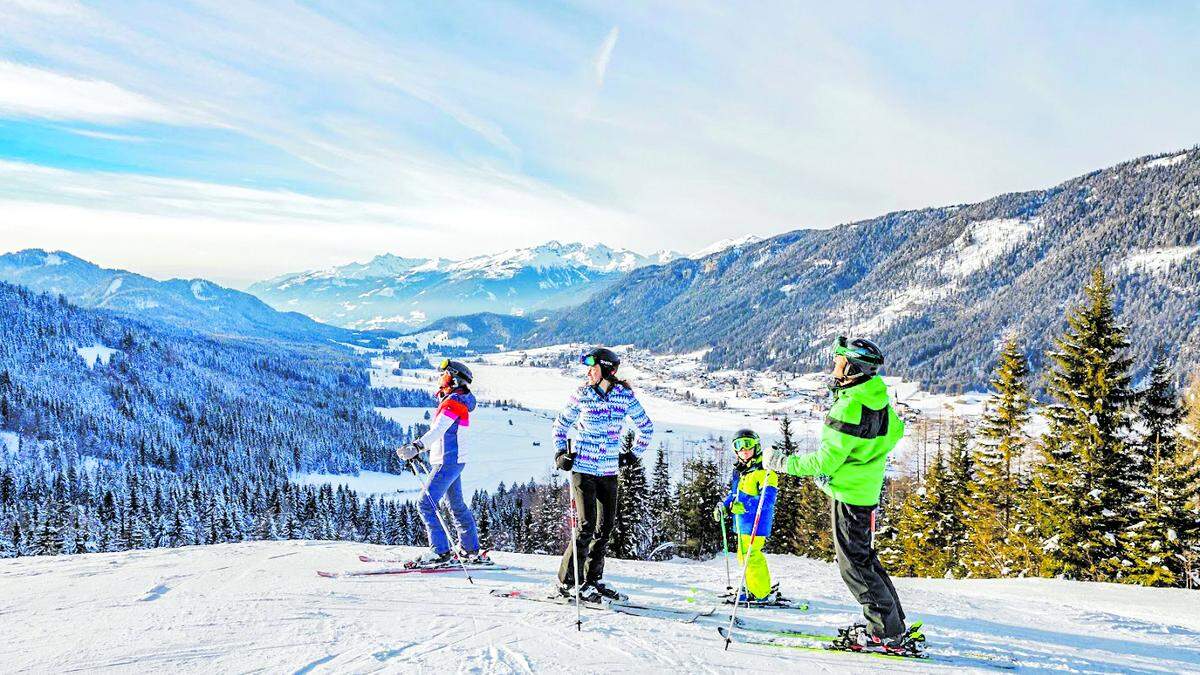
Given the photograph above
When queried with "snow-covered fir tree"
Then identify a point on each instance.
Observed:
(999, 531)
(633, 530)
(662, 502)
(700, 490)
(802, 525)
(1164, 532)
(1086, 481)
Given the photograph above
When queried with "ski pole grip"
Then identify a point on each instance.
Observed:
(564, 460)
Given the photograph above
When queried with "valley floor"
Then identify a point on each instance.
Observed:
(260, 607)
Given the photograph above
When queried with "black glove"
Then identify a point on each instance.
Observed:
(625, 459)
(564, 459)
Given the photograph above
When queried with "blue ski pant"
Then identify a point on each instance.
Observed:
(446, 482)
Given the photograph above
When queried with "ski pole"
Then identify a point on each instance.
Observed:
(575, 559)
(441, 521)
(725, 546)
(746, 563)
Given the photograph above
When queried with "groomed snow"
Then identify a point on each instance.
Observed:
(260, 607)
(1158, 260)
(96, 354)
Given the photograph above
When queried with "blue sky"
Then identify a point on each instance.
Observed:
(236, 141)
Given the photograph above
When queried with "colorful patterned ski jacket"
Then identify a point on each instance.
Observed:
(744, 487)
(445, 436)
(600, 419)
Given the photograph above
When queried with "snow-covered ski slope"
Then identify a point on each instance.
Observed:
(260, 607)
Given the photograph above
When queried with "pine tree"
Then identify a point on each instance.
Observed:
(1158, 544)
(632, 530)
(1188, 460)
(548, 517)
(920, 542)
(931, 532)
(1085, 481)
(662, 500)
(956, 494)
(997, 524)
(889, 540)
(802, 525)
(47, 540)
(699, 493)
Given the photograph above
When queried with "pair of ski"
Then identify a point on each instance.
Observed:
(406, 568)
(698, 596)
(804, 641)
(619, 606)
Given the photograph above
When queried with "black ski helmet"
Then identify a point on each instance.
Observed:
(459, 372)
(604, 357)
(743, 435)
(864, 355)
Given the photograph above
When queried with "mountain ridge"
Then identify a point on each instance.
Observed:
(197, 304)
(391, 291)
(937, 287)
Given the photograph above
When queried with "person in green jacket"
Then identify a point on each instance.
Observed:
(859, 432)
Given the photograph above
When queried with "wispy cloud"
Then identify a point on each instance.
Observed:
(605, 55)
(390, 124)
(33, 92)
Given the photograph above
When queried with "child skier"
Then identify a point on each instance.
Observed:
(860, 430)
(447, 455)
(750, 484)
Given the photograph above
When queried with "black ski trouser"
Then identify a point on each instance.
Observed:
(596, 509)
(853, 536)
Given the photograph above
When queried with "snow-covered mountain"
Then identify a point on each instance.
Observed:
(192, 303)
(725, 245)
(390, 291)
(260, 606)
(936, 286)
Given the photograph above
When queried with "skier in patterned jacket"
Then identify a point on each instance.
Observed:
(598, 410)
(860, 430)
(447, 457)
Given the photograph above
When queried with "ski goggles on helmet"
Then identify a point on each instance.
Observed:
(841, 346)
(740, 444)
(590, 360)
(444, 365)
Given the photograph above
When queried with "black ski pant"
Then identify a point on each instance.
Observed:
(853, 537)
(596, 509)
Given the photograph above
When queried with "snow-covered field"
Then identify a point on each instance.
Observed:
(259, 607)
(750, 398)
(10, 443)
(506, 452)
(96, 354)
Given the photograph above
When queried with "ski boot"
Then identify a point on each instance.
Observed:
(609, 593)
(858, 638)
(591, 595)
(430, 559)
(478, 557)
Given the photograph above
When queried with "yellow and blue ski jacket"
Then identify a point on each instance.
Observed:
(748, 485)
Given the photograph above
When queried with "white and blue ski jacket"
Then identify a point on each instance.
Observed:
(600, 420)
(446, 434)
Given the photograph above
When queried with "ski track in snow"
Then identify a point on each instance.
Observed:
(260, 607)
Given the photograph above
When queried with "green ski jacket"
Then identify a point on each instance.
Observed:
(859, 432)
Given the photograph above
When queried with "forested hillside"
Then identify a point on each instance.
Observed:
(938, 287)
(111, 423)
